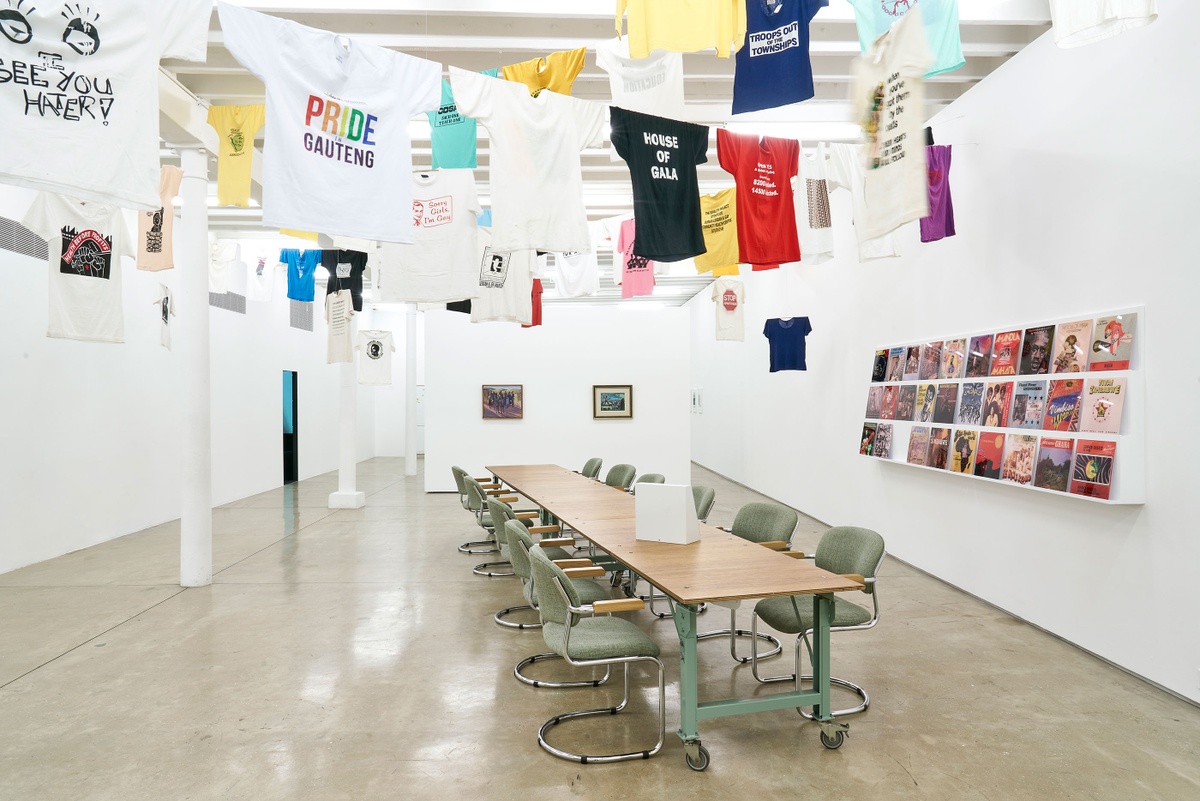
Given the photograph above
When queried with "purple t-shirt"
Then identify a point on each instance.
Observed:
(787, 342)
(940, 222)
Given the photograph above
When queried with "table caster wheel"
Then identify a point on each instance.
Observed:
(833, 742)
(701, 760)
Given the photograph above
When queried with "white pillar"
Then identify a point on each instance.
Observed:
(192, 342)
(347, 497)
(410, 391)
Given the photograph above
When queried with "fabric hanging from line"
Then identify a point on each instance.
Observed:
(85, 124)
(346, 268)
(555, 72)
(375, 363)
(16, 238)
(578, 273)
(329, 160)
(846, 172)
(236, 128)
(1083, 22)
(505, 284)
(940, 222)
(339, 308)
(166, 310)
(260, 281)
(535, 303)
(788, 344)
(814, 218)
(651, 85)
(940, 17)
(773, 68)
(729, 297)
(718, 214)
(453, 136)
(683, 26)
(302, 269)
(762, 168)
(637, 272)
(156, 229)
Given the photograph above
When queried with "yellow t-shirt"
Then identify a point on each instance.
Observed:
(683, 26)
(311, 236)
(555, 72)
(718, 216)
(236, 128)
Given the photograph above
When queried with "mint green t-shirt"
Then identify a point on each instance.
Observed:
(874, 17)
(454, 141)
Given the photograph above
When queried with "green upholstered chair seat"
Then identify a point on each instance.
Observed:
(589, 592)
(600, 638)
(779, 614)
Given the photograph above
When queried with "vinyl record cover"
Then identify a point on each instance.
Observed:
(970, 404)
(996, 402)
(979, 356)
(912, 362)
(874, 402)
(1101, 406)
(1070, 354)
(954, 354)
(990, 454)
(926, 395)
(1053, 464)
(887, 409)
(918, 445)
(1112, 342)
(1035, 352)
(1020, 453)
(1006, 350)
(867, 446)
(1028, 404)
(1062, 405)
(1093, 471)
(895, 366)
(962, 453)
(906, 402)
(931, 360)
(945, 403)
(879, 367)
(883, 441)
(939, 448)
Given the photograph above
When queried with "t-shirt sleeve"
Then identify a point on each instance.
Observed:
(701, 156)
(37, 218)
(807, 327)
(793, 158)
(471, 195)
(174, 177)
(473, 94)
(255, 120)
(251, 37)
(716, 290)
(184, 26)
(619, 135)
(727, 151)
(591, 117)
(122, 241)
(811, 7)
(767, 329)
(427, 86)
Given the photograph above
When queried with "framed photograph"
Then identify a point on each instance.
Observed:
(612, 401)
(503, 401)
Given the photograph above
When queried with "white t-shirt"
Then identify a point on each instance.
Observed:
(339, 308)
(442, 265)
(375, 364)
(846, 171)
(578, 274)
(814, 221)
(1082, 22)
(536, 182)
(156, 229)
(86, 242)
(728, 296)
(260, 280)
(220, 254)
(166, 310)
(79, 93)
(505, 284)
(338, 154)
(651, 85)
(888, 90)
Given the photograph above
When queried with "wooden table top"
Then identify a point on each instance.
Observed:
(719, 567)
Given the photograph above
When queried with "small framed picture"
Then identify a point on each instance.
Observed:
(503, 401)
(612, 401)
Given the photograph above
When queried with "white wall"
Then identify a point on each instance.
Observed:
(558, 363)
(390, 401)
(1074, 194)
(90, 446)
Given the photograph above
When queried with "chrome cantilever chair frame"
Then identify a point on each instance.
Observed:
(474, 547)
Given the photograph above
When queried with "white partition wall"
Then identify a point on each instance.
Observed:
(1073, 192)
(558, 364)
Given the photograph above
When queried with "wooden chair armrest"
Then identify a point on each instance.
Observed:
(584, 572)
(487, 483)
(775, 545)
(580, 562)
(798, 554)
(498, 492)
(507, 498)
(526, 515)
(618, 605)
(557, 542)
(545, 529)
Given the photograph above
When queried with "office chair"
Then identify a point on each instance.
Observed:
(591, 468)
(647, 478)
(586, 635)
(477, 498)
(469, 503)
(620, 476)
(770, 525)
(845, 550)
(501, 513)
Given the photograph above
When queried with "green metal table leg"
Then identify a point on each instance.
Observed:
(685, 625)
(823, 616)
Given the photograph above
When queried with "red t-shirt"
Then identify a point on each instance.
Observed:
(766, 217)
(537, 304)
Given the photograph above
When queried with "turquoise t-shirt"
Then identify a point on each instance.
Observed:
(453, 135)
(874, 17)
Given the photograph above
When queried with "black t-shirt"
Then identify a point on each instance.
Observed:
(346, 269)
(662, 155)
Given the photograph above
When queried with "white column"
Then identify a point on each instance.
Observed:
(192, 342)
(347, 497)
(410, 391)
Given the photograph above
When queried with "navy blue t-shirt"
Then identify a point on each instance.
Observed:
(787, 342)
(773, 68)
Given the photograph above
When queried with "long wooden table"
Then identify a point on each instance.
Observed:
(720, 567)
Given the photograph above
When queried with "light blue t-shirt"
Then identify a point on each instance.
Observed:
(453, 135)
(941, 27)
(302, 268)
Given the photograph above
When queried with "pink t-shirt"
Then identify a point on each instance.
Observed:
(637, 272)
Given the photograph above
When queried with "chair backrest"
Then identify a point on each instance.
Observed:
(620, 475)
(501, 514)
(476, 496)
(704, 497)
(850, 549)
(765, 522)
(591, 468)
(520, 544)
(459, 473)
(551, 606)
(648, 478)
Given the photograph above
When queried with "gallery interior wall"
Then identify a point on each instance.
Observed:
(558, 363)
(1073, 183)
(90, 447)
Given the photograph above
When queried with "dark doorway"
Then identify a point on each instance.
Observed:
(291, 420)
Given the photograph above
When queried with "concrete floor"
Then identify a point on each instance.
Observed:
(352, 655)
